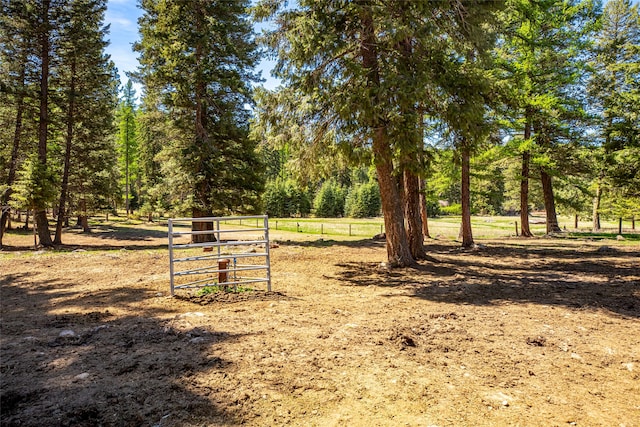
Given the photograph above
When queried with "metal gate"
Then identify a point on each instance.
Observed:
(228, 260)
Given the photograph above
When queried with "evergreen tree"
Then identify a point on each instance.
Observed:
(46, 13)
(87, 78)
(34, 30)
(615, 90)
(128, 141)
(354, 73)
(540, 55)
(17, 89)
(198, 58)
(152, 134)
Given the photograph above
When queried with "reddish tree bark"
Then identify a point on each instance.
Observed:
(413, 222)
(398, 252)
(64, 186)
(40, 213)
(549, 203)
(525, 231)
(467, 234)
(424, 213)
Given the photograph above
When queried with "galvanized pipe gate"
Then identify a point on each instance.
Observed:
(223, 263)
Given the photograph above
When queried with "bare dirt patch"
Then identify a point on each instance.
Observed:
(540, 332)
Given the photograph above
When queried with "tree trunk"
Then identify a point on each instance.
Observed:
(126, 165)
(596, 205)
(202, 226)
(83, 217)
(413, 222)
(84, 223)
(203, 209)
(525, 231)
(398, 252)
(424, 213)
(549, 203)
(467, 234)
(40, 215)
(64, 186)
(575, 221)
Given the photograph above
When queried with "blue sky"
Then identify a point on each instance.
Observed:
(123, 16)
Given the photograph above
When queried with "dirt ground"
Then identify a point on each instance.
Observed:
(542, 332)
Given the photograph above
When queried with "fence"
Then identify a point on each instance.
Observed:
(232, 258)
(365, 229)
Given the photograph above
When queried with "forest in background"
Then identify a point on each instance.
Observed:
(407, 109)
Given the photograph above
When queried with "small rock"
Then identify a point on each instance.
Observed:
(629, 366)
(190, 314)
(67, 333)
(82, 376)
(79, 250)
(384, 266)
(604, 249)
(576, 356)
(499, 398)
(196, 340)
(159, 294)
(620, 237)
(380, 236)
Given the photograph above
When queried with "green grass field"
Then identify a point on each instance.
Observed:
(444, 227)
(484, 227)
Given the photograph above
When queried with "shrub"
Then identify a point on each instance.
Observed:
(454, 209)
(329, 202)
(285, 199)
(433, 208)
(363, 201)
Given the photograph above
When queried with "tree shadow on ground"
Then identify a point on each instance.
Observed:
(69, 361)
(549, 275)
(124, 232)
(327, 242)
(101, 238)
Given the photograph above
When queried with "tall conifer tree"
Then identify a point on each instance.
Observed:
(541, 54)
(198, 57)
(615, 90)
(356, 75)
(127, 140)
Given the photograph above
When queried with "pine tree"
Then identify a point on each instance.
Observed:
(153, 133)
(16, 46)
(198, 58)
(128, 140)
(540, 55)
(354, 74)
(614, 88)
(87, 78)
